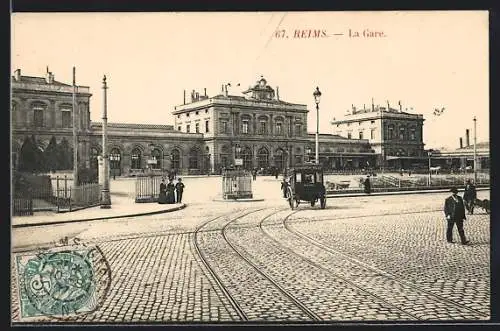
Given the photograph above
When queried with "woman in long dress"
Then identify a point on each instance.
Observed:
(162, 198)
(170, 192)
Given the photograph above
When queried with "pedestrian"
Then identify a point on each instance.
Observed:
(454, 211)
(254, 174)
(162, 198)
(179, 189)
(470, 196)
(276, 173)
(367, 185)
(284, 186)
(170, 192)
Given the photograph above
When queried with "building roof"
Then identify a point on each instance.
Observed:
(136, 126)
(40, 81)
(482, 145)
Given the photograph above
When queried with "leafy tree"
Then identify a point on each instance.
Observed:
(31, 157)
(64, 155)
(51, 156)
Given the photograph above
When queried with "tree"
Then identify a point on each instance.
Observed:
(64, 155)
(50, 155)
(31, 156)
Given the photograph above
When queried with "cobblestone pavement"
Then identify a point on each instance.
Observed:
(373, 258)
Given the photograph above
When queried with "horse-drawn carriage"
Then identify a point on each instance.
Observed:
(305, 183)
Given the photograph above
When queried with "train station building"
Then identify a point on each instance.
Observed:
(254, 130)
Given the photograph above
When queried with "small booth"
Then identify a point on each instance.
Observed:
(236, 184)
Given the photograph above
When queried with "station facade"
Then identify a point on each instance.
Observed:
(256, 130)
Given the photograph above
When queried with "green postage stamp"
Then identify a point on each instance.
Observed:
(62, 284)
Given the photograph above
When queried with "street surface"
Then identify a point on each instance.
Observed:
(360, 259)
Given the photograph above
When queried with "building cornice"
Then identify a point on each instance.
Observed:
(229, 102)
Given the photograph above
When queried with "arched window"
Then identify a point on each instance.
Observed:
(193, 158)
(94, 158)
(263, 157)
(280, 159)
(246, 155)
(176, 159)
(136, 158)
(156, 156)
(115, 158)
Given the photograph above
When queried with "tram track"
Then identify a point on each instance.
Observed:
(245, 311)
(366, 266)
(286, 293)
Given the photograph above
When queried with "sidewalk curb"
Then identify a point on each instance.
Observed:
(164, 211)
(361, 194)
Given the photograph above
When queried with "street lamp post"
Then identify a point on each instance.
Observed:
(475, 156)
(317, 97)
(429, 153)
(105, 194)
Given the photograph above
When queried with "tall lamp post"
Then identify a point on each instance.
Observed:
(429, 153)
(475, 156)
(317, 98)
(105, 195)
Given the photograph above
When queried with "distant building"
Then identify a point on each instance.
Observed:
(257, 129)
(394, 135)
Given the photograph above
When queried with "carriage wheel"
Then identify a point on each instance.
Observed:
(289, 197)
(322, 202)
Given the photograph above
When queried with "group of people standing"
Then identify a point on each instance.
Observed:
(171, 193)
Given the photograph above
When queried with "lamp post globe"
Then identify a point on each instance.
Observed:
(317, 99)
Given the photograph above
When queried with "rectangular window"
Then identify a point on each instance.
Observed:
(373, 122)
(197, 127)
(224, 126)
(412, 134)
(262, 128)
(206, 127)
(244, 127)
(179, 128)
(66, 118)
(298, 129)
(349, 135)
(197, 113)
(279, 128)
(372, 134)
(38, 117)
(188, 128)
(360, 134)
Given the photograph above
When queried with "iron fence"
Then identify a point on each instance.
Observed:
(46, 193)
(383, 183)
(147, 188)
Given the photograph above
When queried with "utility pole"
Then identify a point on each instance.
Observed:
(105, 195)
(475, 156)
(75, 137)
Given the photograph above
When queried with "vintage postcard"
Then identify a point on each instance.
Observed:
(250, 167)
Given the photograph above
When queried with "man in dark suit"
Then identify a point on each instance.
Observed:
(454, 211)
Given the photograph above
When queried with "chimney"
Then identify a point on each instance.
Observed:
(17, 75)
(205, 91)
(278, 93)
(467, 142)
(49, 77)
(461, 143)
(184, 102)
(225, 91)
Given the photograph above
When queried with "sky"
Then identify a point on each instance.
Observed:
(426, 60)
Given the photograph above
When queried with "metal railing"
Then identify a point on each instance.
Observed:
(382, 183)
(147, 188)
(45, 193)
